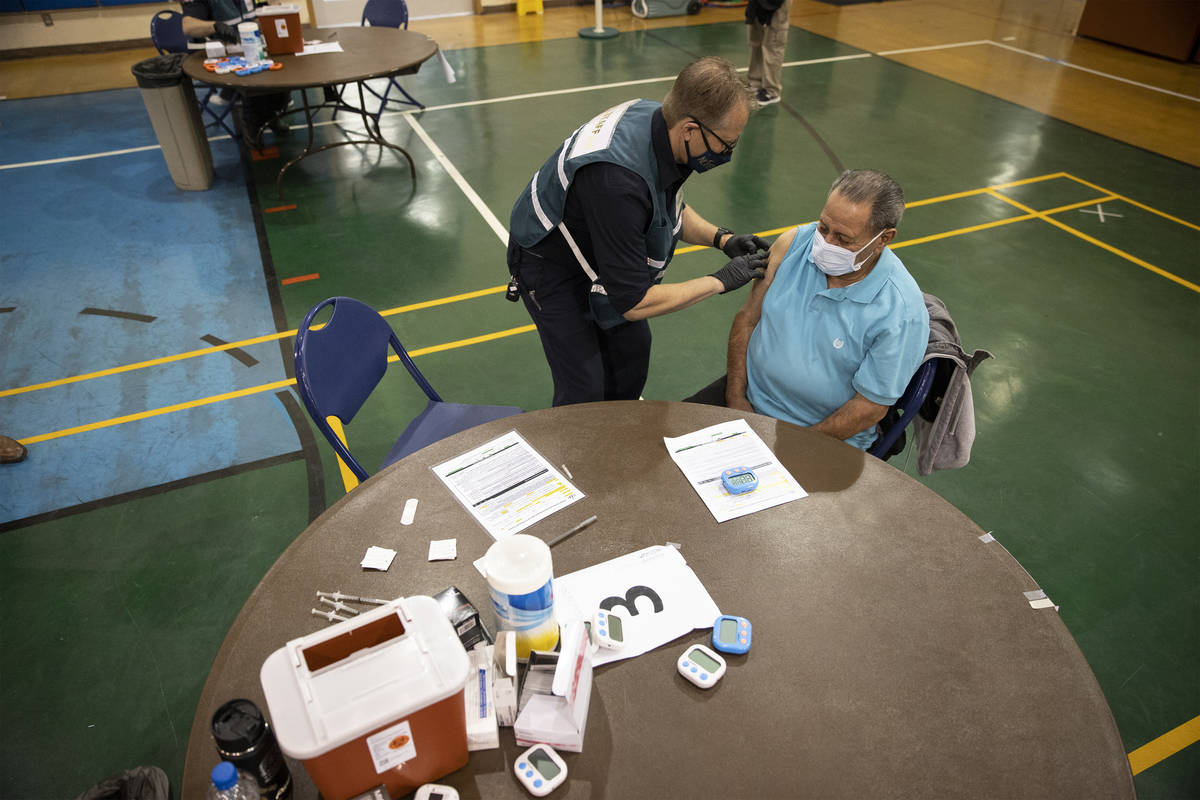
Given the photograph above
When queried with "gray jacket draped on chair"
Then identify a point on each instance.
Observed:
(945, 428)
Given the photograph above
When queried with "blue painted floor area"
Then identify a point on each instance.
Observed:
(114, 233)
(73, 125)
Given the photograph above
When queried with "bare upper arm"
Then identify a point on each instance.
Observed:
(758, 289)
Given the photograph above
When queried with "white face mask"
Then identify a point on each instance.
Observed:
(834, 260)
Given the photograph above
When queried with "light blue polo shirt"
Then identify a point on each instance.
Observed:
(814, 347)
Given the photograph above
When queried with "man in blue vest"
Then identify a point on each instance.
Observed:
(592, 233)
(830, 338)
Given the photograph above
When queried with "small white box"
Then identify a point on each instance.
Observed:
(559, 719)
(480, 707)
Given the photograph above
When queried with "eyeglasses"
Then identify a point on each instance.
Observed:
(705, 130)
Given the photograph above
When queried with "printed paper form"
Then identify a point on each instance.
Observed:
(316, 46)
(703, 455)
(506, 485)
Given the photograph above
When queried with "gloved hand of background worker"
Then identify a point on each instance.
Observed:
(226, 33)
(742, 244)
(741, 270)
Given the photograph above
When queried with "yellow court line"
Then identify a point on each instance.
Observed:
(1045, 215)
(154, 362)
(917, 203)
(271, 337)
(960, 231)
(217, 398)
(984, 190)
(1142, 206)
(1166, 745)
(1030, 214)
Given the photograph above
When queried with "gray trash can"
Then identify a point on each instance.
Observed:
(171, 102)
(664, 8)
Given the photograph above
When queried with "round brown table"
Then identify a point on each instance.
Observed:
(895, 652)
(367, 53)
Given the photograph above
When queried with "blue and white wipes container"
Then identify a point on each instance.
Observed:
(520, 576)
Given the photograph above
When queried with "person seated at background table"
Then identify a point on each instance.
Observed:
(831, 336)
(593, 232)
(219, 19)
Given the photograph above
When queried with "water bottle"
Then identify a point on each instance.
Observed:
(229, 784)
(244, 738)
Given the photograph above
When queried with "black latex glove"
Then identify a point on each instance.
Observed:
(226, 33)
(741, 270)
(742, 244)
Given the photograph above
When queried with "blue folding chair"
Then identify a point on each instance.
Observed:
(386, 14)
(341, 363)
(166, 31)
(907, 406)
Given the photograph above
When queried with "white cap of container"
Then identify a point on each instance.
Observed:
(322, 692)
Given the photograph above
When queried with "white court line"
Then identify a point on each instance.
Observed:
(1062, 63)
(80, 158)
(475, 199)
(578, 89)
(65, 159)
(932, 47)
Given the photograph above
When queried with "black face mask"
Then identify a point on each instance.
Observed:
(706, 160)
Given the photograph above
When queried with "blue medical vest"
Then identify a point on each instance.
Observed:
(621, 135)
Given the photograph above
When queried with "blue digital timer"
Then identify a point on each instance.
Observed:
(739, 480)
(732, 634)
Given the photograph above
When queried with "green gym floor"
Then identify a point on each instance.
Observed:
(1085, 466)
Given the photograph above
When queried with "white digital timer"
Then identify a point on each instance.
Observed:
(434, 791)
(607, 630)
(701, 666)
(540, 770)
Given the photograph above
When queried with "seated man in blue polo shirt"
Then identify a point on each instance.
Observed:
(831, 336)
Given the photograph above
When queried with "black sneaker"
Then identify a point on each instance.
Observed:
(766, 98)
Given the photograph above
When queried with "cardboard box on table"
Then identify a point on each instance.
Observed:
(559, 719)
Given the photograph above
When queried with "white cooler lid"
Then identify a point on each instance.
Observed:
(314, 711)
(267, 11)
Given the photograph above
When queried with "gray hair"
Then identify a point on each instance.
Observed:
(870, 185)
(707, 89)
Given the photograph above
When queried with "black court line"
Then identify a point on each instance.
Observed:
(308, 444)
(669, 43)
(264, 251)
(106, 312)
(837, 162)
(312, 456)
(237, 352)
(150, 491)
(7, 309)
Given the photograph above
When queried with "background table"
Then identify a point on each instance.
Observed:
(368, 53)
(894, 654)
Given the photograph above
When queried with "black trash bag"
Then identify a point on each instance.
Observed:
(159, 72)
(139, 783)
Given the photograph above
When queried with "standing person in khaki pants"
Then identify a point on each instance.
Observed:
(769, 23)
